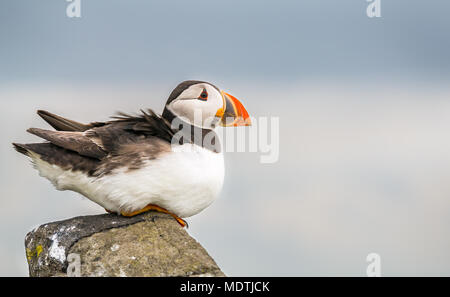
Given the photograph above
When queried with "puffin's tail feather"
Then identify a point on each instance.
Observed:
(55, 155)
(60, 123)
(21, 148)
(41, 149)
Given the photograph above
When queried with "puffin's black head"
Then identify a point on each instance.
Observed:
(203, 104)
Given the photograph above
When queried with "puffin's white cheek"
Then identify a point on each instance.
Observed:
(194, 111)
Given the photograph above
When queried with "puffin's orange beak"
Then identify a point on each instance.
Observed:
(233, 112)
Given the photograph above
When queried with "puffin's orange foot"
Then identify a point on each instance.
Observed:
(180, 221)
(149, 207)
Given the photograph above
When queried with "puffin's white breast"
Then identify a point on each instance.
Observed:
(184, 181)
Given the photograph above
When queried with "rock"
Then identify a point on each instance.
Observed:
(150, 244)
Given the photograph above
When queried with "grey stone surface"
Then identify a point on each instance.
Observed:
(150, 244)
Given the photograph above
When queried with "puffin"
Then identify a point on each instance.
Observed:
(171, 163)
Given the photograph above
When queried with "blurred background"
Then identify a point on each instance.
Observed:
(363, 105)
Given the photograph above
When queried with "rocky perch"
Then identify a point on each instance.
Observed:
(151, 244)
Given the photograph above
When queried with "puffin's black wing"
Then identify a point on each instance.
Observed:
(99, 140)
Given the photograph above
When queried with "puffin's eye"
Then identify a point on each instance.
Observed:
(204, 95)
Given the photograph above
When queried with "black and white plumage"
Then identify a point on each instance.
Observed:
(133, 161)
